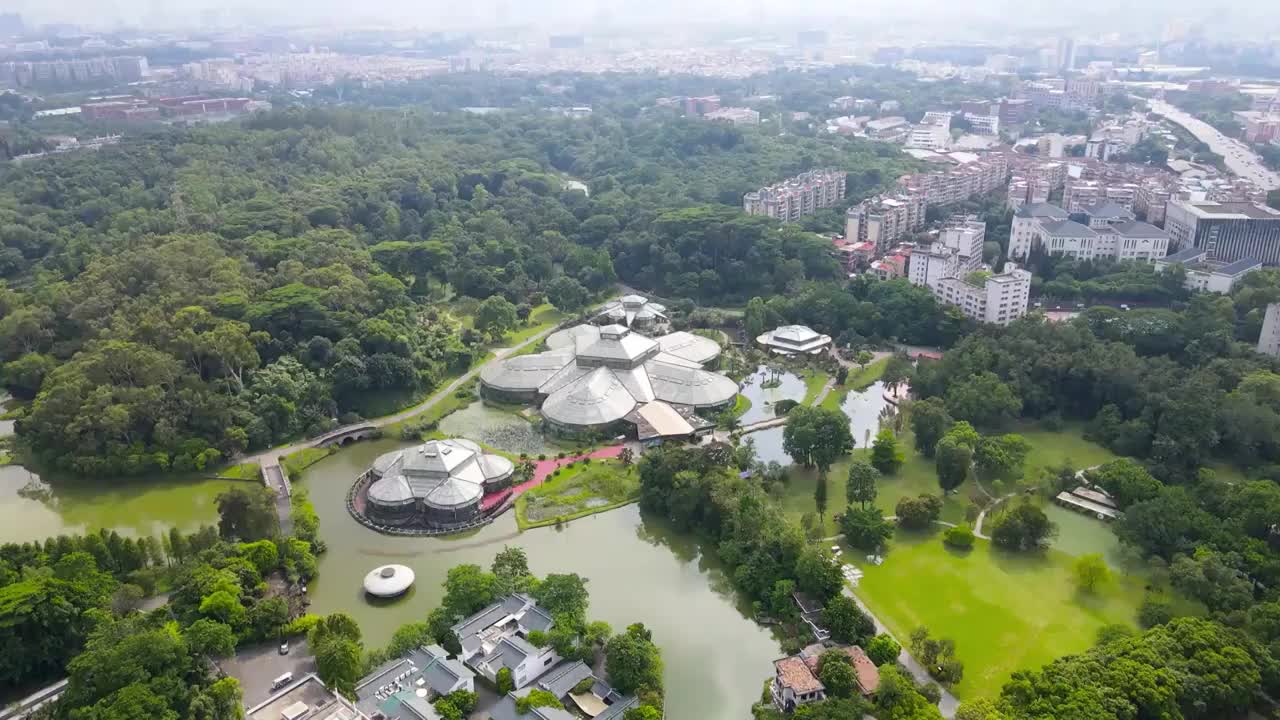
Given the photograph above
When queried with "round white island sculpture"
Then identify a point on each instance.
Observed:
(388, 581)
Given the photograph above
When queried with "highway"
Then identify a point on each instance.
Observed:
(1240, 158)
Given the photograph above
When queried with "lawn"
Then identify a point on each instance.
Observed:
(541, 318)
(295, 463)
(1054, 447)
(579, 490)
(741, 404)
(1005, 612)
(917, 476)
(243, 471)
(814, 381)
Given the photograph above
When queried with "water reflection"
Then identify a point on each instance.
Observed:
(865, 409)
(783, 385)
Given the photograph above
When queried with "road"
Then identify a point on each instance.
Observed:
(1240, 159)
(268, 457)
(948, 704)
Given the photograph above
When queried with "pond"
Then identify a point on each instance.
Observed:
(132, 507)
(789, 386)
(864, 408)
(638, 571)
(495, 428)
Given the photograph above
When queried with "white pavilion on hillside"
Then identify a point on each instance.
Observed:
(795, 340)
(635, 312)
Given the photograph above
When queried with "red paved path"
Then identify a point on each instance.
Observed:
(542, 469)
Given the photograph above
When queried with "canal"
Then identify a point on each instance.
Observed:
(638, 571)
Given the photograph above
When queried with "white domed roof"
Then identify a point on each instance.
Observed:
(388, 580)
(391, 489)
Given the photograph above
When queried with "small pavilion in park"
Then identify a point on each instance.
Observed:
(794, 340)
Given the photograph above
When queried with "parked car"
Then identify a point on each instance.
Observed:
(284, 648)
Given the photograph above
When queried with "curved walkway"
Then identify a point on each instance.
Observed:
(948, 704)
(273, 475)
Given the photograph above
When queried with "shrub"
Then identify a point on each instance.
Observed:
(301, 626)
(560, 455)
(919, 512)
(505, 683)
(584, 686)
(1156, 610)
(542, 456)
(586, 461)
(959, 537)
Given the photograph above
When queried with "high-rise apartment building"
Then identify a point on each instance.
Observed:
(982, 296)
(801, 195)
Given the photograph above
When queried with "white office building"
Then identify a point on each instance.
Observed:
(988, 298)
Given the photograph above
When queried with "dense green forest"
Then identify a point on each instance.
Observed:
(194, 293)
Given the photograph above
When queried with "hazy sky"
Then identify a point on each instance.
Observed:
(1094, 16)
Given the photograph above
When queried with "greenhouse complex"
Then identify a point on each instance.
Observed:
(611, 380)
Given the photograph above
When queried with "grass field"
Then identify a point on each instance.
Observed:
(741, 404)
(917, 476)
(296, 462)
(814, 381)
(580, 490)
(1005, 612)
(243, 471)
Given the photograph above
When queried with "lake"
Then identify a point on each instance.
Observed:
(638, 571)
(132, 507)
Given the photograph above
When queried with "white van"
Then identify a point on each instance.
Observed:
(281, 681)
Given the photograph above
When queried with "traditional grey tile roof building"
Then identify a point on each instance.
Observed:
(497, 638)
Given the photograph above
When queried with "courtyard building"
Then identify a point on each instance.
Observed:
(497, 637)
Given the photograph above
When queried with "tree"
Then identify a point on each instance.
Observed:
(918, 513)
(210, 638)
(642, 712)
(980, 709)
(1001, 457)
(1022, 527)
(510, 567)
(930, 421)
(126, 599)
(952, 460)
(885, 455)
(247, 513)
(495, 317)
(564, 596)
(504, 682)
(633, 661)
(983, 400)
(937, 655)
(819, 573)
(960, 537)
(1126, 481)
(567, 294)
(883, 650)
(846, 621)
(866, 529)
(861, 484)
(837, 675)
(820, 495)
(537, 698)
(862, 358)
(467, 589)
(816, 437)
(1091, 572)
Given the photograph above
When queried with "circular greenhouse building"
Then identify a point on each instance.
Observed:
(435, 485)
